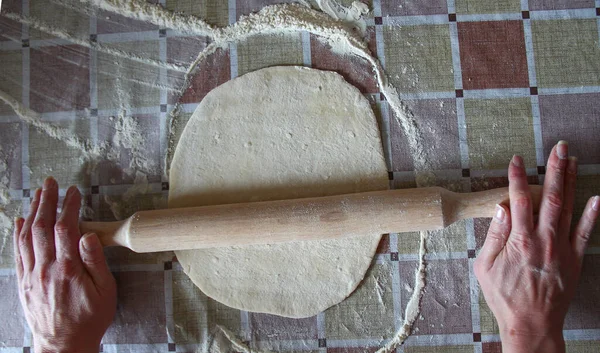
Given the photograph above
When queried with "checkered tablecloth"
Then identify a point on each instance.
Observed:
(485, 79)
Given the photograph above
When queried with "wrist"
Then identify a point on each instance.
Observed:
(43, 346)
(516, 340)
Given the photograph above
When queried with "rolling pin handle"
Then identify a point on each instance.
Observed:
(458, 206)
(109, 233)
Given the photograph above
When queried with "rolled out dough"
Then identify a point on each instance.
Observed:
(277, 133)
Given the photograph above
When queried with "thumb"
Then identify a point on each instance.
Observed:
(496, 238)
(94, 262)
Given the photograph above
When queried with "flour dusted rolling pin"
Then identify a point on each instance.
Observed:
(267, 222)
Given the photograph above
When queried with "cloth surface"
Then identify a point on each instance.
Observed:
(484, 79)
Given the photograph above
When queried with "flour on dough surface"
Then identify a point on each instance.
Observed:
(279, 133)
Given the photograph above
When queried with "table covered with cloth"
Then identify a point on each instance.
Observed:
(484, 80)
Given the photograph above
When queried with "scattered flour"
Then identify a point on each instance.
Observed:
(140, 187)
(123, 206)
(352, 15)
(45, 27)
(6, 223)
(128, 135)
(86, 212)
(226, 341)
(34, 118)
(4, 181)
(144, 11)
(271, 19)
(413, 308)
(6, 226)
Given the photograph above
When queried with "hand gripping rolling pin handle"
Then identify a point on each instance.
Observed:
(269, 222)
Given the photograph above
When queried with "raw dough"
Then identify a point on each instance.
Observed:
(277, 133)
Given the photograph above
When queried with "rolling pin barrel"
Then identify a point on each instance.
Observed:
(269, 222)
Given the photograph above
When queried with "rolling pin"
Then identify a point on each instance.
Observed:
(269, 222)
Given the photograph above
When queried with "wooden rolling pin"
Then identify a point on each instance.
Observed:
(268, 222)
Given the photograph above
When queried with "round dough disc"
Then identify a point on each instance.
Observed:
(279, 133)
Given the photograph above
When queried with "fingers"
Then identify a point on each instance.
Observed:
(584, 228)
(564, 224)
(94, 262)
(552, 195)
(66, 229)
(43, 225)
(496, 238)
(16, 233)
(25, 239)
(521, 206)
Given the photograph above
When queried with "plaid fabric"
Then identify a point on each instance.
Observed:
(485, 79)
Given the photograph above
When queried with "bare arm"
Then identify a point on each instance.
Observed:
(66, 289)
(528, 271)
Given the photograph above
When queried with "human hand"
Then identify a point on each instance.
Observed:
(66, 289)
(528, 271)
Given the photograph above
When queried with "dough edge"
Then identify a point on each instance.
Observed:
(368, 243)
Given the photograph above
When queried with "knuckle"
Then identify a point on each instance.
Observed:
(522, 201)
(495, 235)
(61, 228)
(558, 169)
(571, 175)
(39, 224)
(26, 230)
(93, 260)
(554, 200)
(584, 235)
(23, 241)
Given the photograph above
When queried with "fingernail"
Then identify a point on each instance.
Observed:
(562, 149)
(90, 242)
(572, 165)
(71, 190)
(517, 161)
(36, 194)
(49, 183)
(596, 203)
(500, 213)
